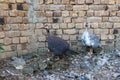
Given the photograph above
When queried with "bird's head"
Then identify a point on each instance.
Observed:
(86, 25)
(45, 26)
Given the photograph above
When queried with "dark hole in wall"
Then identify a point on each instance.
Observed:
(115, 31)
(2, 21)
(106, 8)
(55, 20)
(108, 42)
(19, 7)
(10, 6)
(118, 7)
(14, 48)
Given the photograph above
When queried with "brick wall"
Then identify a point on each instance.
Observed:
(21, 22)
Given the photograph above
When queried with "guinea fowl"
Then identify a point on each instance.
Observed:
(90, 40)
(56, 44)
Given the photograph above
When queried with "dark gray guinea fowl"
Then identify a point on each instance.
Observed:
(57, 45)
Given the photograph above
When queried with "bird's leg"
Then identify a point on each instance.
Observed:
(91, 51)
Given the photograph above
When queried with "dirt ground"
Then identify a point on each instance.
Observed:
(105, 66)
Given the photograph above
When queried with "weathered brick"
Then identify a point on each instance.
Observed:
(89, 1)
(14, 20)
(70, 31)
(48, 1)
(40, 1)
(4, 13)
(65, 1)
(20, 1)
(72, 37)
(57, 14)
(49, 13)
(81, 13)
(90, 13)
(13, 13)
(7, 41)
(65, 37)
(65, 13)
(114, 19)
(57, 7)
(12, 34)
(21, 14)
(55, 26)
(71, 25)
(104, 37)
(111, 36)
(79, 25)
(63, 25)
(25, 20)
(2, 34)
(113, 7)
(7, 48)
(42, 7)
(94, 19)
(97, 1)
(118, 13)
(116, 25)
(56, 1)
(80, 1)
(112, 1)
(38, 32)
(104, 1)
(59, 32)
(104, 31)
(80, 7)
(79, 19)
(3, 6)
(113, 13)
(69, 7)
(74, 13)
(102, 13)
(67, 19)
(15, 40)
(6, 27)
(12, 1)
(97, 31)
(23, 40)
(105, 25)
(117, 1)
(23, 27)
(25, 7)
(97, 7)
(42, 38)
(105, 19)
